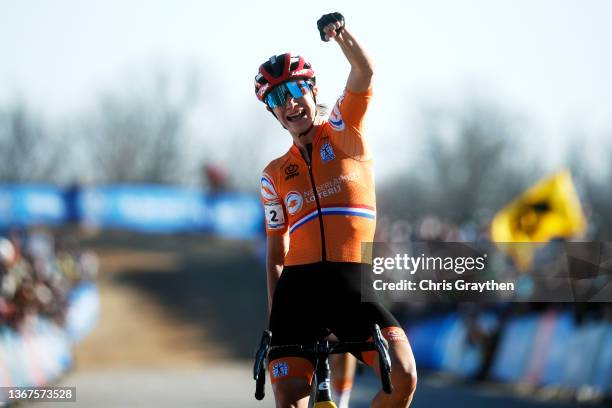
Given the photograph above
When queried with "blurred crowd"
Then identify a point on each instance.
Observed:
(38, 270)
(585, 263)
(428, 229)
(485, 334)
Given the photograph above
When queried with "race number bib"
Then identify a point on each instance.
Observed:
(275, 218)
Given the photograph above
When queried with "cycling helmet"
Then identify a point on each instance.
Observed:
(281, 68)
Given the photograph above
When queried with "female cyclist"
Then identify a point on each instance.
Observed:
(320, 206)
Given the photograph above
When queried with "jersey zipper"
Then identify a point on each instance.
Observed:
(316, 194)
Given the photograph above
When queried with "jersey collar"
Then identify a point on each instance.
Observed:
(315, 140)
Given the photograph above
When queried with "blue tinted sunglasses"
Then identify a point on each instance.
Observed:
(278, 95)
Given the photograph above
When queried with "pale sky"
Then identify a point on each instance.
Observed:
(547, 59)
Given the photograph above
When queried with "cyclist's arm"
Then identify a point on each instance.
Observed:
(362, 66)
(347, 116)
(277, 247)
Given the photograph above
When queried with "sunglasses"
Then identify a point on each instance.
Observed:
(278, 95)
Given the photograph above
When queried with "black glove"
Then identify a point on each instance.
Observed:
(328, 19)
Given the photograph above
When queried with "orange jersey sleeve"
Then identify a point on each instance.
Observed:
(347, 120)
(274, 209)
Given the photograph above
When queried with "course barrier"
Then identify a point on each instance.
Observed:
(41, 351)
(547, 349)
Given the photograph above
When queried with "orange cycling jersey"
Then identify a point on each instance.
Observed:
(329, 207)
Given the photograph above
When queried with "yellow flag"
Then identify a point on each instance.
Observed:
(549, 209)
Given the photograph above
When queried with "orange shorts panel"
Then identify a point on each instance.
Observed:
(392, 334)
(290, 367)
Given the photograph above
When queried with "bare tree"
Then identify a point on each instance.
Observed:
(592, 181)
(472, 165)
(243, 148)
(28, 151)
(138, 135)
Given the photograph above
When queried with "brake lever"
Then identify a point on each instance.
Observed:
(384, 360)
(262, 352)
(382, 347)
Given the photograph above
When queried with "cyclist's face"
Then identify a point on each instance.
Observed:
(297, 114)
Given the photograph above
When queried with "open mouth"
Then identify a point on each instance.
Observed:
(300, 114)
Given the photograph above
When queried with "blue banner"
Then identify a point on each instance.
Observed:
(585, 347)
(142, 208)
(83, 312)
(34, 356)
(428, 339)
(236, 215)
(514, 348)
(26, 205)
(558, 350)
(602, 375)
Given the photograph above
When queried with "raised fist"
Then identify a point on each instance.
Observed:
(330, 25)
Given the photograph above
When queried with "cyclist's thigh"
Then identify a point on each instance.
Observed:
(291, 392)
(292, 321)
(402, 359)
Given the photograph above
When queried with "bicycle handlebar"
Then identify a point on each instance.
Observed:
(324, 349)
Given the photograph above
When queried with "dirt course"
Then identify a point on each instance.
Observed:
(171, 301)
